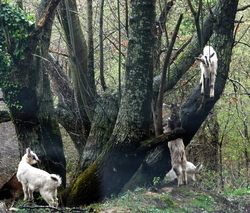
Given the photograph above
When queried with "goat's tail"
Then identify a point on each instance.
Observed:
(57, 179)
(198, 168)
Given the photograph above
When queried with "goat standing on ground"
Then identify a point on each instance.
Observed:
(192, 170)
(177, 148)
(178, 160)
(34, 179)
(208, 65)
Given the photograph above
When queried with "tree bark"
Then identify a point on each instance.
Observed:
(104, 121)
(197, 107)
(117, 163)
(83, 80)
(32, 112)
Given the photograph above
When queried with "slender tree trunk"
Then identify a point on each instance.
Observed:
(103, 84)
(91, 70)
(159, 99)
(83, 81)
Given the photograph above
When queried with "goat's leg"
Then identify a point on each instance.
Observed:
(212, 83)
(177, 170)
(184, 169)
(49, 197)
(30, 194)
(202, 82)
(211, 91)
(184, 176)
(25, 191)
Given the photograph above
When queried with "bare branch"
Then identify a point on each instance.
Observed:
(180, 49)
(234, 81)
(243, 8)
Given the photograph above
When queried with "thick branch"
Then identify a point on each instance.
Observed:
(162, 139)
(47, 13)
(223, 41)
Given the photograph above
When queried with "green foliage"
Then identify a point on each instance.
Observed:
(14, 31)
(156, 181)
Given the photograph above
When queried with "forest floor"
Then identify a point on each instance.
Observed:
(166, 199)
(173, 199)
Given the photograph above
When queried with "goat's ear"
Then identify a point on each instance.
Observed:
(28, 150)
(211, 55)
(201, 60)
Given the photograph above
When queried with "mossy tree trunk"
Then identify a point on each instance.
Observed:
(28, 94)
(118, 161)
(104, 121)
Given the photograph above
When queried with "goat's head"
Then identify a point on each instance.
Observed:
(205, 58)
(30, 157)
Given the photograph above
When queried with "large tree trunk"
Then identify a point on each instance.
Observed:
(32, 112)
(117, 163)
(104, 121)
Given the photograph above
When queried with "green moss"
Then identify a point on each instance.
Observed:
(84, 190)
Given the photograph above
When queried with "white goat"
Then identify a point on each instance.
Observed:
(192, 170)
(208, 65)
(34, 179)
(178, 160)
